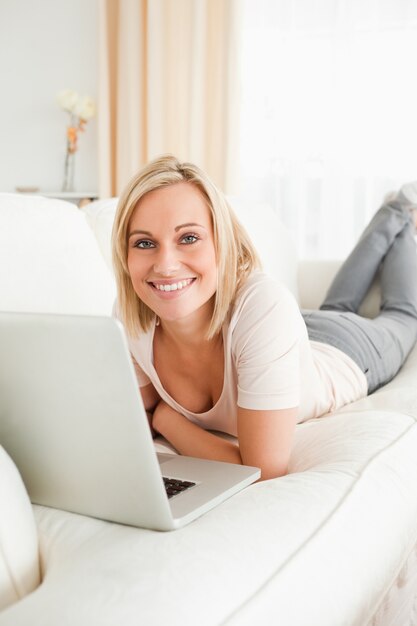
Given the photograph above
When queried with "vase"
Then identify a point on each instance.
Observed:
(69, 168)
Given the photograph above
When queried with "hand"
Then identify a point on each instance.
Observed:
(192, 440)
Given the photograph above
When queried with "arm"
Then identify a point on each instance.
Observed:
(150, 399)
(150, 396)
(265, 438)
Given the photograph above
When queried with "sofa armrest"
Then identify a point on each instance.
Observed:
(314, 278)
(19, 554)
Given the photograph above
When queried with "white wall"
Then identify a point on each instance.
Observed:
(45, 46)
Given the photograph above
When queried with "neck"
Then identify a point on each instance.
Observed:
(187, 332)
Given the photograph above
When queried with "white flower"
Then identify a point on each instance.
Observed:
(67, 100)
(85, 108)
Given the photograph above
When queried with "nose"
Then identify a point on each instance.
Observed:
(167, 262)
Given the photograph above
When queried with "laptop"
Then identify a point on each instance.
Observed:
(73, 421)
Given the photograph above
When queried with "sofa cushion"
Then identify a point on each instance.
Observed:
(19, 554)
(100, 217)
(49, 259)
(338, 529)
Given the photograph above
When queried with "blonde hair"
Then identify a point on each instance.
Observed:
(235, 254)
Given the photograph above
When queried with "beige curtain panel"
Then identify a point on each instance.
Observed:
(169, 82)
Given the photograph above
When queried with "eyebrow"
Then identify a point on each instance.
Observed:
(177, 228)
(187, 225)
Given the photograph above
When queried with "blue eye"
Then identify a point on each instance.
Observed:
(144, 244)
(187, 239)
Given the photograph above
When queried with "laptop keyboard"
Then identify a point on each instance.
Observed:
(174, 486)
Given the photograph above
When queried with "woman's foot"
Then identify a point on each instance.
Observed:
(409, 192)
(413, 212)
(408, 195)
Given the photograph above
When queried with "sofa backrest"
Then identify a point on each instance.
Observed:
(49, 259)
(272, 239)
(56, 258)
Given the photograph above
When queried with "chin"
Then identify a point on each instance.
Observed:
(174, 317)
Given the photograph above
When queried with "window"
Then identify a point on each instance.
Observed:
(329, 119)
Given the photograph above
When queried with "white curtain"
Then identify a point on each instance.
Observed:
(328, 119)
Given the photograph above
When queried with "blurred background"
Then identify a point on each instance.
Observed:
(308, 106)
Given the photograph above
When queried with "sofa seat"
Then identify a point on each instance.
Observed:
(321, 546)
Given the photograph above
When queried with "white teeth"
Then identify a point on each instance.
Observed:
(173, 286)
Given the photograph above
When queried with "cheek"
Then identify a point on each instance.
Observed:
(210, 268)
(135, 269)
(130, 266)
(134, 260)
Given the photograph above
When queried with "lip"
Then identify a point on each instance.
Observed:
(174, 293)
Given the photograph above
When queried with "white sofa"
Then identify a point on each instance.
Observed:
(334, 543)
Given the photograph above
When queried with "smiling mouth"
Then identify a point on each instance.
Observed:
(178, 286)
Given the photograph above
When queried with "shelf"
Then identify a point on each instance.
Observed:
(69, 195)
(77, 197)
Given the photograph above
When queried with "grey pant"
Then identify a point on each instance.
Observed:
(378, 346)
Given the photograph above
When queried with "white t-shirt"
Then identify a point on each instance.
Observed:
(269, 362)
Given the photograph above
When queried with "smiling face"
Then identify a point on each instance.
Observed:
(171, 253)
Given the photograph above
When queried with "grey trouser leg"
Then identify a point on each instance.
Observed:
(381, 345)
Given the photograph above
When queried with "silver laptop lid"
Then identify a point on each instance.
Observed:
(79, 446)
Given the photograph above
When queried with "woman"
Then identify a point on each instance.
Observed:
(219, 347)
